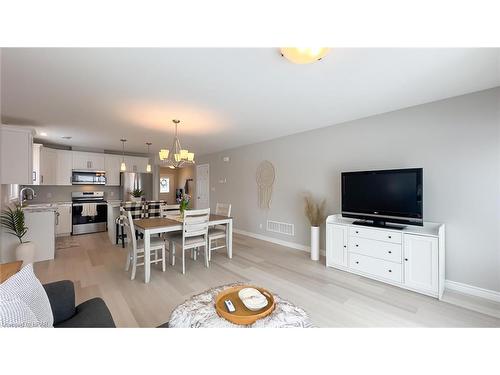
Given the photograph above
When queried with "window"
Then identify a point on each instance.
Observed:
(164, 185)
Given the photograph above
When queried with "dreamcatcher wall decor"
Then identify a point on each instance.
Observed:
(265, 179)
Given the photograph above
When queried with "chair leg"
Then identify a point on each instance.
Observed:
(171, 248)
(163, 261)
(123, 236)
(134, 267)
(127, 264)
(206, 256)
(183, 263)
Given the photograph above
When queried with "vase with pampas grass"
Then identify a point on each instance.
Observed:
(315, 212)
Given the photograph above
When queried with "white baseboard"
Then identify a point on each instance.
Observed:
(451, 285)
(472, 290)
(292, 245)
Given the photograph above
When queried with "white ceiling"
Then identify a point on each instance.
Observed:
(224, 97)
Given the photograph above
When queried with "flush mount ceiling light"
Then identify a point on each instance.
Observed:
(43, 134)
(176, 157)
(123, 167)
(307, 55)
(148, 167)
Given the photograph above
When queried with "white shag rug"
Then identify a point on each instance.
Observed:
(199, 312)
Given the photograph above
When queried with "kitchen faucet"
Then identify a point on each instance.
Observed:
(21, 194)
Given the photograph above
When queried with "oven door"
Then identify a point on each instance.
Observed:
(89, 224)
(88, 178)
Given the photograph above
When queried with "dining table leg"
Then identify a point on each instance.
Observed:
(229, 239)
(147, 256)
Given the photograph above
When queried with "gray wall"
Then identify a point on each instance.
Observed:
(456, 141)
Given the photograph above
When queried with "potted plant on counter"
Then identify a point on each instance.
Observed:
(315, 212)
(13, 221)
(136, 195)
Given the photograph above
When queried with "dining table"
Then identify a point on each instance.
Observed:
(157, 225)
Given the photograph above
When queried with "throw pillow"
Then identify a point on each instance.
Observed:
(20, 290)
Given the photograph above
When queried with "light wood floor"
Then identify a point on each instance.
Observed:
(332, 298)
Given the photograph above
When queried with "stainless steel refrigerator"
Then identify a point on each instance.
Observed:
(131, 180)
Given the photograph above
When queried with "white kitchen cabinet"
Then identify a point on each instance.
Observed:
(48, 166)
(336, 245)
(112, 168)
(64, 166)
(136, 164)
(63, 219)
(16, 155)
(37, 148)
(421, 262)
(88, 161)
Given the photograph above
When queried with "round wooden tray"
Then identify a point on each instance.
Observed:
(242, 315)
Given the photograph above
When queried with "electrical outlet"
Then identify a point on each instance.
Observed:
(49, 195)
(112, 193)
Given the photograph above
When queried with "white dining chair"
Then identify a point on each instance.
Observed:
(136, 248)
(194, 235)
(170, 210)
(218, 232)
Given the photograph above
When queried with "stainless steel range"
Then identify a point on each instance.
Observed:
(89, 212)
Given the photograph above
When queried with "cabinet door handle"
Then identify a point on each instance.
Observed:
(345, 246)
(357, 232)
(389, 236)
(41, 179)
(390, 252)
(406, 259)
(357, 262)
(390, 270)
(357, 245)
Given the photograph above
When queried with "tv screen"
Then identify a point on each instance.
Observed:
(384, 196)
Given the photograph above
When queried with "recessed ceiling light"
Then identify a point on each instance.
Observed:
(43, 134)
(66, 137)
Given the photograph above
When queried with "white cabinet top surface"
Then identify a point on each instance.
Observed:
(428, 229)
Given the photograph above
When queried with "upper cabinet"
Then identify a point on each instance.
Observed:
(112, 168)
(88, 161)
(64, 167)
(55, 167)
(136, 164)
(16, 158)
(48, 166)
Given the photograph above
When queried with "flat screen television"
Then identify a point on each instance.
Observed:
(381, 197)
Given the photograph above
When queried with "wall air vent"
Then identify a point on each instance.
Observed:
(282, 228)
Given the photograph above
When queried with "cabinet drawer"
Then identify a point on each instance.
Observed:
(376, 267)
(376, 234)
(376, 249)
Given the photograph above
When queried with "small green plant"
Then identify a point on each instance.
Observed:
(137, 193)
(184, 202)
(13, 221)
(315, 212)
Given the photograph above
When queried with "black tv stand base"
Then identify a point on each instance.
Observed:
(379, 224)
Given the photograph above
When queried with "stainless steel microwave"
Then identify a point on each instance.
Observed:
(82, 177)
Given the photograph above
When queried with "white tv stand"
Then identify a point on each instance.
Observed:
(410, 258)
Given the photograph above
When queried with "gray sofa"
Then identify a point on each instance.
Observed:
(90, 314)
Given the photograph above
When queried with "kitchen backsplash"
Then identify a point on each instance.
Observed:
(45, 193)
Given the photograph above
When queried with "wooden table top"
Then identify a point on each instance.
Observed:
(160, 222)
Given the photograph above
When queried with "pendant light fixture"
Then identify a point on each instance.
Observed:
(176, 157)
(304, 55)
(148, 167)
(123, 167)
